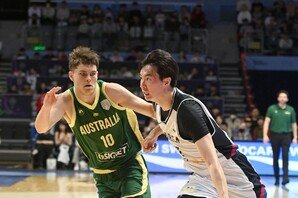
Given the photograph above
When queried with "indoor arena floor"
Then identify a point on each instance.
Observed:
(69, 184)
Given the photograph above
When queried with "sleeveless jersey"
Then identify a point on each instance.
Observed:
(187, 149)
(108, 134)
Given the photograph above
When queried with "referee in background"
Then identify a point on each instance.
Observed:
(281, 122)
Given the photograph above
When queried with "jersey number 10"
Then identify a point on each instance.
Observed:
(108, 140)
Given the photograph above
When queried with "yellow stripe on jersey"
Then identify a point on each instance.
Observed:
(72, 120)
(97, 92)
(133, 122)
(100, 171)
(112, 103)
(144, 177)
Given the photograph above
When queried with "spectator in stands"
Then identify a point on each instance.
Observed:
(34, 14)
(125, 73)
(149, 33)
(213, 91)
(181, 58)
(254, 116)
(61, 56)
(285, 45)
(210, 75)
(184, 13)
(199, 92)
(257, 14)
(132, 55)
(215, 111)
(97, 12)
(84, 11)
(272, 42)
(122, 29)
(73, 19)
(242, 133)
(36, 56)
(116, 57)
(246, 3)
(63, 142)
(194, 74)
(291, 9)
(172, 33)
(233, 122)
(149, 13)
(43, 149)
(281, 122)
(135, 30)
(198, 19)
(96, 28)
(48, 14)
(185, 30)
(50, 55)
(294, 30)
(109, 33)
(279, 10)
(13, 89)
(197, 58)
(123, 12)
(83, 28)
(160, 18)
(244, 14)
(257, 133)
(62, 14)
(134, 13)
(21, 55)
(109, 14)
(31, 78)
(257, 3)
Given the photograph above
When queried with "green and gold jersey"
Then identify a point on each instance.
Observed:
(107, 133)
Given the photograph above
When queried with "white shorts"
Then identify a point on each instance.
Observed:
(201, 185)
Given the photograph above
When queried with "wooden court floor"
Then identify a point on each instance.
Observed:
(69, 184)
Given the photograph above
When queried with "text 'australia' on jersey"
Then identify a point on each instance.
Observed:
(107, 133)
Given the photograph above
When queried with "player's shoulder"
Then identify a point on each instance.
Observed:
(65, 96)
(272, 107)
(290, 108)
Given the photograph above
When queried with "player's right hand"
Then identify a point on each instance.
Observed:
(149, 144)
(266, 139)
(51, 97)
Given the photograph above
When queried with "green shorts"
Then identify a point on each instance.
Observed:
(131, 181)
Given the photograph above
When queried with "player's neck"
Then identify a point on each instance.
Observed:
(282, 105)
(167, 99)
(89, 99)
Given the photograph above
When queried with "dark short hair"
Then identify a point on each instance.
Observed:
(164, 63)
(284, 92)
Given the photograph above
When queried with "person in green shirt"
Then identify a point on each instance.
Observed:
(281, 122)
(101, 118)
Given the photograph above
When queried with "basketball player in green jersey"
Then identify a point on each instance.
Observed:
(101, 118)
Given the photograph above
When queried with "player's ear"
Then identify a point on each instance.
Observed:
(70, 75)
(167, 81)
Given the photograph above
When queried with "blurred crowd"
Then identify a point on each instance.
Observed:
(268, 30)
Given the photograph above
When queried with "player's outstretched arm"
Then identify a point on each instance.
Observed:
(51, 112)
(123, 97)
(149, 143)
(207, 150)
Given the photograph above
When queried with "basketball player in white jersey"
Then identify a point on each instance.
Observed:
(219, 170)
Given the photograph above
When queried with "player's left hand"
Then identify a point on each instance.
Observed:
(294, 140)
